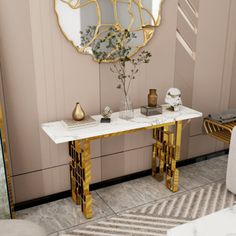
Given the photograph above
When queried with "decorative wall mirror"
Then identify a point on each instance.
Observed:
(84, 21)
(6, 205)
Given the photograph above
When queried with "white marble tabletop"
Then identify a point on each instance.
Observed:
(59, 134)
(221, 223)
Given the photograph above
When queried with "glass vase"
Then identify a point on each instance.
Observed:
(126, 108)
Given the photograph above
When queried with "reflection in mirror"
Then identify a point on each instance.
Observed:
(5, 208)
(75, 19)
(84, 21)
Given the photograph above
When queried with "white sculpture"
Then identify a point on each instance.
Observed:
(173, 98)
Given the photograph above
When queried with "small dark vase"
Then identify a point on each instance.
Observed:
(152, 98)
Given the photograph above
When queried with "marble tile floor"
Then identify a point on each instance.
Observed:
(62, 215)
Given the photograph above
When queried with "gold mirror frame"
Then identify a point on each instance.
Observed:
(146, 29)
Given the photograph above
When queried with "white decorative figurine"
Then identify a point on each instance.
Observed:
(173, 98)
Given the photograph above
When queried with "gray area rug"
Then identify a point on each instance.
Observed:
(156, 218)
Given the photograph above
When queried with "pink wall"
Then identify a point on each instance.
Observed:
(206, 76)
(43, 77)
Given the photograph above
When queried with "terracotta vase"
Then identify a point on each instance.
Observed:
(78, 112)
(152, 98)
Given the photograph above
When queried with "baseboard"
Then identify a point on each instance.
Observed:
(106, 183)
(202, 158)
(41, 200)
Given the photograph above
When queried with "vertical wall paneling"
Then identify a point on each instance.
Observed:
(19, 86)
(186, 40)
(125, 163)
(228, 71)
(209, 67)
(230, 48)
(52, 76)
(43, 77)
(203, 65)
(211, 42)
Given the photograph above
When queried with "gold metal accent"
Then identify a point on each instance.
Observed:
(147, 29)
(6, 160)
(219, 131)
(80, 174)
(78, 112)
(167, 150)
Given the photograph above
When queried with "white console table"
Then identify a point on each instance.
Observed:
(166, 146)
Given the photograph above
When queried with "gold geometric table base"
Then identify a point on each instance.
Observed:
(166, 150)
(219, 131)
(80, 174)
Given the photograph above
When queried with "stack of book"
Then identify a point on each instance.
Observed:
(86, 122)
(151, 111)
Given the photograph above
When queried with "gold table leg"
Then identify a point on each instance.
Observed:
(172, 174)
(173, 179)
(167, 150)
(158, 152)
(80, 174)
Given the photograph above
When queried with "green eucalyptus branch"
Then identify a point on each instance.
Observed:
(114, 44)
